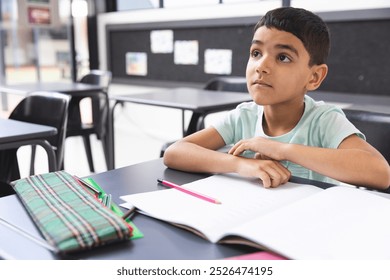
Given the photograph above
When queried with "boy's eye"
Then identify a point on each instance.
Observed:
(284, 58)
(255, 53)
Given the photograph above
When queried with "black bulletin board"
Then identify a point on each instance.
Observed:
(359, 61)
(162, 67)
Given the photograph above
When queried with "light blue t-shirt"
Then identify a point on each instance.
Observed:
(322, 125)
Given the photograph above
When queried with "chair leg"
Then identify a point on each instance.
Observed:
(6, 189)
(9, 167)
(61, 165)
(88, 150)
(106, 150)
(60, 159)
(32, 161)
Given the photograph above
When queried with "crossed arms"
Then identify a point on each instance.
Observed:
(354, 161)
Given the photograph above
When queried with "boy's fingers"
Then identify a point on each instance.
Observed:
(266, 179)
(277, 175)
(236, 150)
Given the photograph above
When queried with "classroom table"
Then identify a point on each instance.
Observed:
(74, 89)
(199, 101)
(71, 88)
(354, 101)
(14, 134)
(161, 240)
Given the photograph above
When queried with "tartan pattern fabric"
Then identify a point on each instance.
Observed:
(69, 217)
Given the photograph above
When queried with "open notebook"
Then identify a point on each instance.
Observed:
(296, 221)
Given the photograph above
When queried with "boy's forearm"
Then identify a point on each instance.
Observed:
(193, 158)
(353, 166)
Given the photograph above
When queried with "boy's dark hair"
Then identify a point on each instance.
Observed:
(305, 25)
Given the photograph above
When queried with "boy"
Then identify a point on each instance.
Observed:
(283, 132)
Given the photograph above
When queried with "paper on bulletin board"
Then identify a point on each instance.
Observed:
(161, 41)
(186, 52)
(218, 61)
(136, 63)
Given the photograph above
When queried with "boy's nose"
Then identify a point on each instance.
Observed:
(263, 65)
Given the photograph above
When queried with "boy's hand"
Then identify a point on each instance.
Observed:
(261, 156)
(265, 164)
(263, 147)
(271, 172)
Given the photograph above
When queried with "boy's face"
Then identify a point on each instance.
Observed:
(278, 67)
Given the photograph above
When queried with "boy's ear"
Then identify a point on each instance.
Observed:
(318, 75)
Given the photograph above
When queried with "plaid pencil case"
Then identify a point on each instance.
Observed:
(69, 216)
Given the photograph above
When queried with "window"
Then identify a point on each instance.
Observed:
(35, 46)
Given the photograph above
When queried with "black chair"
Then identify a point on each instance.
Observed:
(6, 189)
(221, 83)
(227, 83)
(9, 171)
(46, 108)
(375, 126)
(100, 111)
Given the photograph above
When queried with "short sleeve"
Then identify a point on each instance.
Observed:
(239, 123)
(335, 127)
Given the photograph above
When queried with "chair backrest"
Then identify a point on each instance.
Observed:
(46, 108)
(100, 102)
(375, 126)
(227, 83)
(98, 77)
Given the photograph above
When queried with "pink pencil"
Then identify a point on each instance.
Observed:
(179, 188)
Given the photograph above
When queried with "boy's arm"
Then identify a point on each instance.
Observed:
(354, 161)
(197, 153)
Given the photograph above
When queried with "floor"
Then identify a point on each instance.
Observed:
(140, 132)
